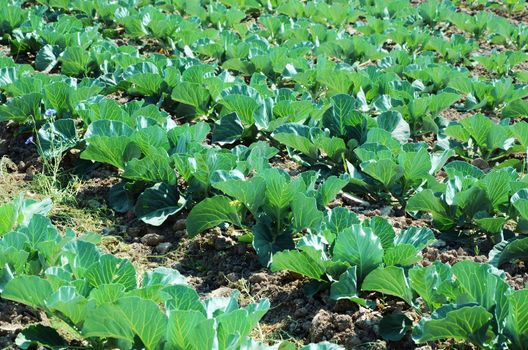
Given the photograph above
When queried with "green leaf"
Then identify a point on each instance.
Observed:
(327, 191)
(8, 218)
(299, 137)
(75, 61)
(127, 318)
(517, 319)
(427, 201)
(402, 255)
(157, 203)
(305, 213)
(248, 192)
(70, 303)
(520, 201)
(267, 240)
(151, 169)
(509, 251)
(383, 229)
(212, 212)
(359, 246)
(40, 335)
(342, 120)
(427, 282)
(418, 237)
(29, 290)
(192, 94)
(304, 262)
(393, 327)
(416, 165)
(497, 186)
(346, 287)
(190, 329)
(228, 129)
(389, 280)
(107, 141)
(480, 283)
(111, 270)
(453, 322)
(385, 171)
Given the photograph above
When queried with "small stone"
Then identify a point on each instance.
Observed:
(163, 247)
(152, 239)
(180, 225)
(301, 312)
(30, 173)
(222, 243)
(134, 231)
(386, 211)
(22, 166)
(181, 233)
(257, 278)
(480, 163)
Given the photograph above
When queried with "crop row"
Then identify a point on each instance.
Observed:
(194, 102)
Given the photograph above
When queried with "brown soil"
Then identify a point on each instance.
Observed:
(14, 318)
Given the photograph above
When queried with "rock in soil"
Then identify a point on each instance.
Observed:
(152, 239)
(164, 247)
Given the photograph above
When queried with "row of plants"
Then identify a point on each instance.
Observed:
(98, 300)
(193, 103)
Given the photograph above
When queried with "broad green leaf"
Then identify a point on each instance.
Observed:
(481, 283)
(416, 165)
(228, 129)
(111, 270)
(157, 203)
(359, 246)
(402, 255)
(151, 169)
(305, 213)
(212, 212)
(515, 249)
(427, 282)
(385, 171)
(248, 192)
(299, 137)
(453, 322)
(327, 191)
(107, 141)
(346, 287)
(299, 261)
(28, 290)
(517, 319)
(127, 318)
(188, 329)
(8, 218)
(70, 303)
(394, 326)
(342, 120)
(192, 94)
(389, 280)
(418, 237)
(520, 201)
(427, 201)
(383, 229)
